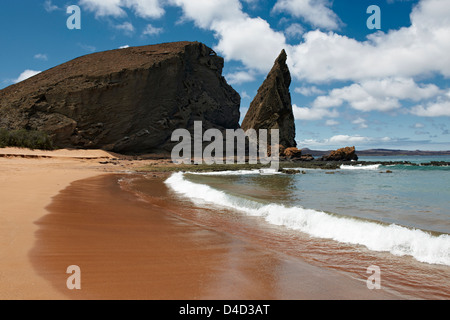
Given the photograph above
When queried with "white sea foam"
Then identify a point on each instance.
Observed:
(361, 167)
(267, 171)
(395, 239)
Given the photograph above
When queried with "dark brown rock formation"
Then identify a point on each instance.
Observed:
(290, 171)
(344, 154)
(292, 153)
(272, 106)
(307, 157)
(127, 100)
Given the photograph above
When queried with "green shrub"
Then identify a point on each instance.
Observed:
(22, 138)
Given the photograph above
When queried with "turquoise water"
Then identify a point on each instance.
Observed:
(345, 219)
(401, 209)
(416, 197)
(412, 159)
(411, 196)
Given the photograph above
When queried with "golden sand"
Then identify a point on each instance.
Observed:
(64, 208)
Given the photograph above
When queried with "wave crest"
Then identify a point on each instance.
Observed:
(397, 240)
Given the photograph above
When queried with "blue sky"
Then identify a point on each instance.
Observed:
(352, 85)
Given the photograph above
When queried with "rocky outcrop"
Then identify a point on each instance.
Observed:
(127, 100)
(307, 157)
(272, 106)
(344, 154)
(292, 153)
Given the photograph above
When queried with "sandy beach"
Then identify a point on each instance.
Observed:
(66, 208)
(28, 181)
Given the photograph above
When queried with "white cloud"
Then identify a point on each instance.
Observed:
(49, 6)
(382, 67)
(204, 13)
(315, 12)
(126, 27)
(357, 98)
(145, 8)
(332, 100)
(311, 114)
(435, 109)
(331, 123)
(378, 95)
(25, 75)
(41, 56)
(249, 40)
(362, 123)
(240, 37)
(104, 7)
(151, 30)
(253, 4)
(240, 77)
(355, 140)
(294, 31)
(115, 8)
(124, 47)
(339, 141)
(420, 49)
(346, 139)
(244, 95)
(309, 91)
(362, 143)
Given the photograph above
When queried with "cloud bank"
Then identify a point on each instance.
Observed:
(383, 69)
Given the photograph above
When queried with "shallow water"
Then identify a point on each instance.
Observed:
(346, 219)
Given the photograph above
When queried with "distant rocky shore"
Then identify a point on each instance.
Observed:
(320, 164)
(383, 152)
(286, 166)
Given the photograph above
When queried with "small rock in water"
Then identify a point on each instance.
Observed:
(290, 171)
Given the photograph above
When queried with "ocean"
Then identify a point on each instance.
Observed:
(394, 217)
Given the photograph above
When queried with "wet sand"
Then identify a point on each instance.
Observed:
(128, 248)
(65, 208)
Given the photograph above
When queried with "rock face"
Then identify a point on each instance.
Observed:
(272, 106)
(127, 100)
(344, 154)
(292, 153)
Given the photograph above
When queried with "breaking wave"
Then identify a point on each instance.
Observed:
(397, 240)
(239, 172)
(361, 167)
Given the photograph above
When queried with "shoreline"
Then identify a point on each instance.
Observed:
(31, 187)
(284, 166)
(144, 250)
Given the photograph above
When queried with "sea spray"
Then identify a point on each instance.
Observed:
(397, 240)
(360, 167)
